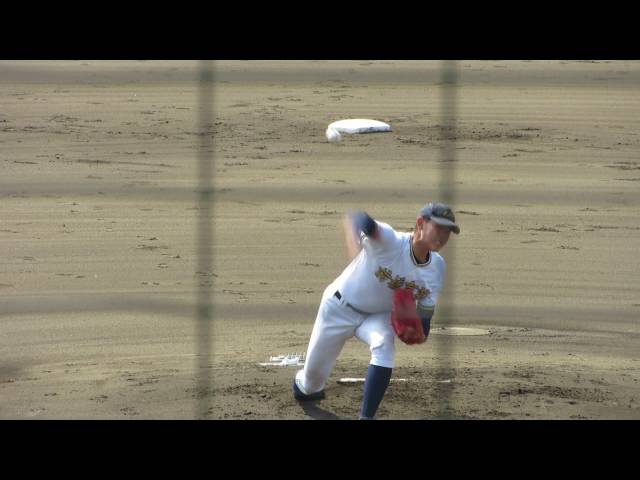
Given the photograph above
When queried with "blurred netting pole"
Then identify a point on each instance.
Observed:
(447, 194)
(204, 237)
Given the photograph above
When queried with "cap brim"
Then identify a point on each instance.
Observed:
(447, 223)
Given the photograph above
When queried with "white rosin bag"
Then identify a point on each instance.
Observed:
(355, 125)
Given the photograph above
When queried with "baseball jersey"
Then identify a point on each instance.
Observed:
(385, 264)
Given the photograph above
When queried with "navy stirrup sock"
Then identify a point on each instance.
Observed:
(375, 385)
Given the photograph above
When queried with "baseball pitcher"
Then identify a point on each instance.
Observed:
(389, 289)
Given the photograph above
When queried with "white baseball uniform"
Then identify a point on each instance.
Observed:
(363, 310)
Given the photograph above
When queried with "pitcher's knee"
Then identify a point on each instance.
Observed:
(383, 351)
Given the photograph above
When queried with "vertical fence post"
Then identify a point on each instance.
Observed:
(447, 194)
(204, 277)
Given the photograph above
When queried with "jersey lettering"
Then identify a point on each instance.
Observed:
(386, 275)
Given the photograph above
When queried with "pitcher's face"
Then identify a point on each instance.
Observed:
(432, 235)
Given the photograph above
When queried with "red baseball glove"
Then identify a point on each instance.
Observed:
(404, 317)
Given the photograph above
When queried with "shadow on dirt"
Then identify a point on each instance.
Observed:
(313, 410)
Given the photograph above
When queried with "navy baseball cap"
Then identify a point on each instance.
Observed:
(442, 214)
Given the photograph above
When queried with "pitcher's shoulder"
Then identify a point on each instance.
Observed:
(439, 261)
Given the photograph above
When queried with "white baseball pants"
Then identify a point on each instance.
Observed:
(335, 324)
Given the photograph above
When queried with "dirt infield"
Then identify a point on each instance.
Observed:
(98, 235)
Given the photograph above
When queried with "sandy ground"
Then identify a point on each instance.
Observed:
(98, 241)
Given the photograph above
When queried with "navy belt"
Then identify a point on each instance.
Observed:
(339, 297)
